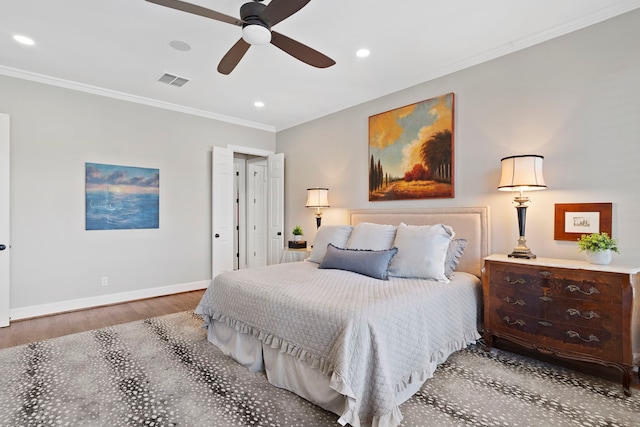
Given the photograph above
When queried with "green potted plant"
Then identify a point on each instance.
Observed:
(598, 247)
(297, 233)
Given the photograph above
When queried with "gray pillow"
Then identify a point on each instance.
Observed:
(454, 252)
(370, 263)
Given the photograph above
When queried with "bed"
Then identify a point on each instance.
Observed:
(359, 326)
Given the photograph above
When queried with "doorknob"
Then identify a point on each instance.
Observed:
(3, 247)
(279, 233)
(216, 235)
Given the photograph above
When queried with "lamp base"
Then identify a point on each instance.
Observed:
(522, 251)
(515, 254)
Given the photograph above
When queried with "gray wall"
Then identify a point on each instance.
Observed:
(54, 131)
(574, 100)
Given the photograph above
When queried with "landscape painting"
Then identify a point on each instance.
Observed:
(411, 151)
(121, 197)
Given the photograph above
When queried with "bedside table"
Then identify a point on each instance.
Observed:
(293, 255)
(567, 309)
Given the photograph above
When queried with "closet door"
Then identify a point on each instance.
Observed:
(222, 200)
(257, 201)
(4, 220)
(275, 209)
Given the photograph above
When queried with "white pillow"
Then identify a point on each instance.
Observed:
(337, 235)
(422, 251)
(373, 237)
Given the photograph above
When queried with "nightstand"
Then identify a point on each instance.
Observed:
(562, 308)
(293, 255)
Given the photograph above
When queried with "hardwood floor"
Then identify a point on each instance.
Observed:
(41, 328)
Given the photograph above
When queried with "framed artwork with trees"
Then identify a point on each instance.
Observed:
(411, 151)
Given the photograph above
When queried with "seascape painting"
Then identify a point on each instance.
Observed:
(411, 151)
(121, 197)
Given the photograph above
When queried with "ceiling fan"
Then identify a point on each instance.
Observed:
(256, 21)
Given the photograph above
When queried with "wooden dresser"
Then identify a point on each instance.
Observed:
(568, 309)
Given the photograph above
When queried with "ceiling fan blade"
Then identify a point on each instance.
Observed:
(198, 10)
(233, 56)
(302, 52)
(279, 10)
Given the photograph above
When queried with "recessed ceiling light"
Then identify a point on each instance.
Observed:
(363, 53)
(259, 104)
(24, 40)
(180, 45)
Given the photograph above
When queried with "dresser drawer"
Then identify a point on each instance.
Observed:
(558, 282)
(569, 337)
(590, 314)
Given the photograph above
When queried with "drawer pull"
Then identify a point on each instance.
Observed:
(574, 288)
(516, 302)
(543, 323)
(546, 273)
(514, 282)
(546, 299)
(518, 322)
(574, 334)
(586, 314)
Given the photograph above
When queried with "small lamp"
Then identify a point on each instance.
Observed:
(522, 173)
(317, 198)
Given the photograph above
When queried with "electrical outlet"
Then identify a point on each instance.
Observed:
(105, 281)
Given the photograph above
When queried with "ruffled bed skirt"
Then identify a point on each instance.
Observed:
(291, 368)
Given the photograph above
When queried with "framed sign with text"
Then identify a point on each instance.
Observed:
(572, 220)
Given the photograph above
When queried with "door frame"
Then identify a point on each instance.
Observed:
(275, 248)
(240, 214)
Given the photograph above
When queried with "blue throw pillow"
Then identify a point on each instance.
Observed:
(370, 263)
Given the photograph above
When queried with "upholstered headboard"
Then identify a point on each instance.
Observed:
(468, 223)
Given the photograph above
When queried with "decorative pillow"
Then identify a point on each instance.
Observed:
(454, 252)
(369, 236)
(338, 235)
(370, 263)
(422, 250)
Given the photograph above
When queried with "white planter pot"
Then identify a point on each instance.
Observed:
(297, 237)
(600, 257)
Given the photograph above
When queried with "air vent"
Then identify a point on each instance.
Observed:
(173, 80)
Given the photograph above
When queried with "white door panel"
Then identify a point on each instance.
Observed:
(257, 215)
(222, 199)
(5, 287)
(275, 212)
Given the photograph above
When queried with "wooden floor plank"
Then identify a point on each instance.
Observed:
(56, 325)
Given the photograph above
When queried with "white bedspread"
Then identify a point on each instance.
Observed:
(372, 337)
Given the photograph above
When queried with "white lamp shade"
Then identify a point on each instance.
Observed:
(317, 198)
(522, 173)
(256, 34)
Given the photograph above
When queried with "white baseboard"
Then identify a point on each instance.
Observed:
(82, 303)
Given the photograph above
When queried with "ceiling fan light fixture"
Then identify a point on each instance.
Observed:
(256, 20)
(256, 34)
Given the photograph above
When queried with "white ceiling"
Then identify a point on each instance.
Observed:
(119, 48)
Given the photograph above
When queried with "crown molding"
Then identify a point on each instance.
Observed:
(95, 90)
